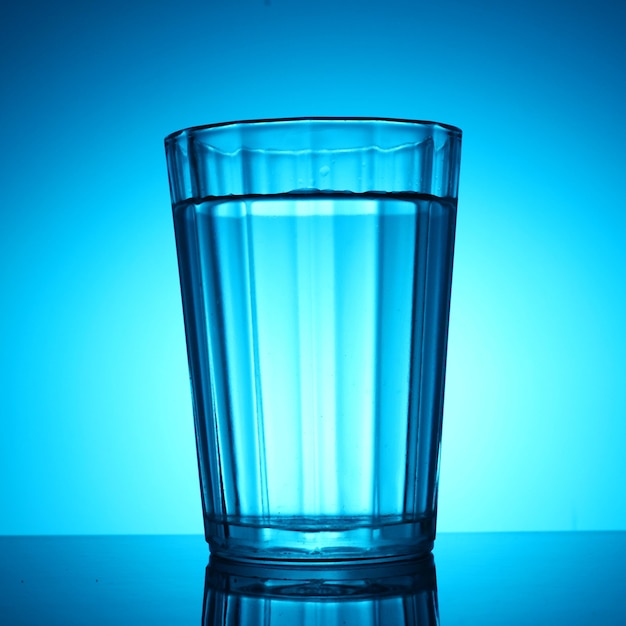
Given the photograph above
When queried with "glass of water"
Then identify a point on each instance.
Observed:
(315, 260)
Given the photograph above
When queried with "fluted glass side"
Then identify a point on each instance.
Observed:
(316, 319)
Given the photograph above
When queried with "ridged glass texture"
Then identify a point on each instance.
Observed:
(315, 261)
(400, 595)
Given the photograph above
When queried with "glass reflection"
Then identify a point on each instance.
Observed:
(401, 594)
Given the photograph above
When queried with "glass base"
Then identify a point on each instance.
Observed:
(310, 540)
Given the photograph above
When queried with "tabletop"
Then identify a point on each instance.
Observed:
(476, 578)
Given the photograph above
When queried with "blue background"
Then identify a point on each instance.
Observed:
(96, 431)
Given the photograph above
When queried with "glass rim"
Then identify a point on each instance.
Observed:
(192, 130)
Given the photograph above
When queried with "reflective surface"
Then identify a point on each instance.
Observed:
(403, 593)
(503, 578)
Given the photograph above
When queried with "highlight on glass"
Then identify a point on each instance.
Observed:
(315, 260)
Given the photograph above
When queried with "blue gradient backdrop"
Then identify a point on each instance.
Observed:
(95, 415)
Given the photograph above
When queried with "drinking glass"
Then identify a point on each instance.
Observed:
(315, 260)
